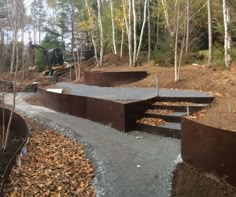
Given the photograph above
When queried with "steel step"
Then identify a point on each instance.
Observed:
(168, 130)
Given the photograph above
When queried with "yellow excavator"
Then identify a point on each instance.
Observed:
(53, 60)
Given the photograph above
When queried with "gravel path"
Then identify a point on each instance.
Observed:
(124, 165)
(111, 93)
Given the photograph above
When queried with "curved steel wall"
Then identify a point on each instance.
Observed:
(210, 149)
(108, 79)
(19, 129)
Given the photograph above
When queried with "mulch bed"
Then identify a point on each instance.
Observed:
(192, 182)
(54, 166)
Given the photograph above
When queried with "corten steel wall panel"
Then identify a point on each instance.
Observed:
(135, 111)
(106, 112)
(107, 79)
(18, 125)
(20, 130)
(70, 104)
(210, 149)
(98, 110)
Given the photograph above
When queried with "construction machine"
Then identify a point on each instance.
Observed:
(53, 60)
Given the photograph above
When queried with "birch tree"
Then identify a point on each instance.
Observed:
(91, 26)
(227, 37)
(176, 40)
(113, 27)
(127, 19)
(100, 31)
(187, 26)
(149, 32)
(142, 30)
(210, 50)
(134, 31)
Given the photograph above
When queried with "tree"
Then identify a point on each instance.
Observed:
(100, 32)
(210, 50)
(113, 27)
(227, 37)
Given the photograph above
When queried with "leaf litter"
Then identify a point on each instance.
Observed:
(54, 166)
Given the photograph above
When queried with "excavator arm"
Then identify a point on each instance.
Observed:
(43, 51)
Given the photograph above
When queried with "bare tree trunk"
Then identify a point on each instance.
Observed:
(113, 27)
(13, 55)
(227, 37)
(130, 34)
(134, 32)
(14, 102)
(101, 31)
(92, 36)
(187, 27)
(210, 58)
(176, 41)
(34, 26)
(142, 30)
(158, 26)
(164, 5)
(122, 42)
(3, 120)
(149, 32)
(128, 28)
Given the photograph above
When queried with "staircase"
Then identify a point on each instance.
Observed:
(164, 115)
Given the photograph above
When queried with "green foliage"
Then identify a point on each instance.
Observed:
(164, 55)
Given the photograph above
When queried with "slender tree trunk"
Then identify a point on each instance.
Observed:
(227, 38)
(187, 27)
(149, 32)
(101, 31)
(166, 15)
(92, 36)
(158, 26)
(3, 120)
(134, 31)
(13, 55)
(130, 34)
(14, 102)
(113, 27)
(122, 42)
(142, 30)
(210, 50)
(34, 17)
(72, 16)
(176, 40)
(128, 28)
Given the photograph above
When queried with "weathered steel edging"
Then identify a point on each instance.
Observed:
(120, 116)
(109, 79)
(20, 129)
(210, 149)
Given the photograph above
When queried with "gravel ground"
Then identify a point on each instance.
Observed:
(124, 165)
(111, 93)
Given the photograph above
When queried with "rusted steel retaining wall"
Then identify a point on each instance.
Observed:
(109, 79)
(19, 129)
(210, 149)
(135, 111)
(69, 104)
(121, 116)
